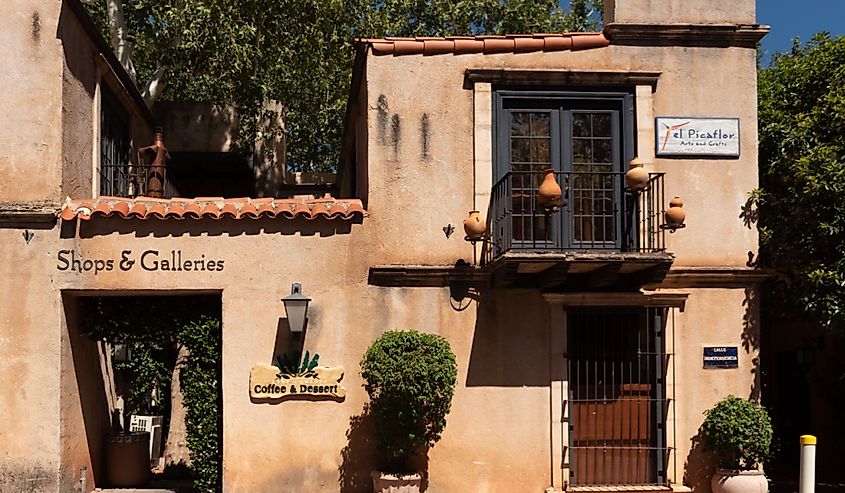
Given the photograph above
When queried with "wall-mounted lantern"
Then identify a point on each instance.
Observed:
(121, 352)
(296, 308)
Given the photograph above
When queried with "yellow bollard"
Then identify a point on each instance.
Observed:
(807, 473)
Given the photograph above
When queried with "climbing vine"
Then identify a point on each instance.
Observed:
(153, 328)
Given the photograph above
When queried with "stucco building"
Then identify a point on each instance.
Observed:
(590, 337)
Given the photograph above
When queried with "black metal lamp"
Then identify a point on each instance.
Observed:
(296, 308)
(122, 352)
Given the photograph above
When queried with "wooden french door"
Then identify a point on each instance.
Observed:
(616, 396)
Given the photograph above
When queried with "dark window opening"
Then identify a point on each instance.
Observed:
(117, 176)
(211, 174)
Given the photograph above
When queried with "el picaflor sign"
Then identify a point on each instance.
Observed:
(295, 377)
(705, 137)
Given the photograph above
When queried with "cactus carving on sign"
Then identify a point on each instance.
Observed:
(295, 376)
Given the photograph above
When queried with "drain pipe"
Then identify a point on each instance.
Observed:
(83, 479)
(807, 474)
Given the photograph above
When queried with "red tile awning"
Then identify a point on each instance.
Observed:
(487, 44)
(211, 208)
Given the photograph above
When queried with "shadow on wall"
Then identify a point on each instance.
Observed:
(359, 456)
(699, 467)
(159, 228)
(89, 386)
(751, 336)
(510, 345)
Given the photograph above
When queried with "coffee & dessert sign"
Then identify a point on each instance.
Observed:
(303, 378)
(704, 137)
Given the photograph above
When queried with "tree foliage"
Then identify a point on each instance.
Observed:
(410, 378)
(801, 202)
(739, 431)
(299, 52)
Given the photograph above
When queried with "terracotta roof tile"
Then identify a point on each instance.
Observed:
(211, 207)
(460, 45)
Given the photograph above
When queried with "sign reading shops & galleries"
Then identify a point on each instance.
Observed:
(302, 379)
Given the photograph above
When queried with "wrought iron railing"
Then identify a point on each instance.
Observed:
(135, 180)
(597, 213)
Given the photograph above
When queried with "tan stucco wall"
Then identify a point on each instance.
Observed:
(30, 352)
(501, 355)
(30, 140)
(679, 12)
(705, 82)
(79, 115)
(498, 437)
(712, 317)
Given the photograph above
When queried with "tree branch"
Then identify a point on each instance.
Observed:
(155, 86)
(120, 40)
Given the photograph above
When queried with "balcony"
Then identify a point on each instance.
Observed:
(136, 180)
(603, 235)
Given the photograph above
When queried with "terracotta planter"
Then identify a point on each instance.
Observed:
(549, 193)
(474, 226)
(396, 483)
(675, 214)
(128, 459)
(637, 177)
(735, 481)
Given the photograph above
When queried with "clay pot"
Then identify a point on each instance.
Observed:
(549, 193)
(733, 481)
(637, 177)
(396, 483)
(474, 226)
(675, 214)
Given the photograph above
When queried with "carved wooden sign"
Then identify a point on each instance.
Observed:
(304, 379)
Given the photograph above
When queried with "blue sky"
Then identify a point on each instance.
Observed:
(790, 19)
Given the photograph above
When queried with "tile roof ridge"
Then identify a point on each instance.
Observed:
(388, 39)
(485, 43)
(212, 207)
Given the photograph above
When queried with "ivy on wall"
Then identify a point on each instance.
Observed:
(153, 328)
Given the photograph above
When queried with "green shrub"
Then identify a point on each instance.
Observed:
(739, 431)
(410, 378)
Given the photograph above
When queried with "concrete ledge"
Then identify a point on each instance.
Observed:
(12, 213)
(720, 35)
(133, 490)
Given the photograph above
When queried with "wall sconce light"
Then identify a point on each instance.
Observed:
(121, 352)
(296, 308)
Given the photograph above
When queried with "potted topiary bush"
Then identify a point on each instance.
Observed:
(740, 434)
(410, 378)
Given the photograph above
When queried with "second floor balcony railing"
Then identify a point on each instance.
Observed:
(135, 180)
(597, 213)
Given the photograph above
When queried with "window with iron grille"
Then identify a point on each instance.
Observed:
(617, 367)
(586, 138)
(116, 173)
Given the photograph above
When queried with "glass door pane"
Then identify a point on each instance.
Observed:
(530, 155)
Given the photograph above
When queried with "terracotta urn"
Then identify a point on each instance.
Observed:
(637, 177)
(474, 226)
(549, 193)
(739, 481)
(675, 214)
(396, 482)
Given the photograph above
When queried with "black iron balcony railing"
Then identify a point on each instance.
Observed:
(597, 212)
(135, 180)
